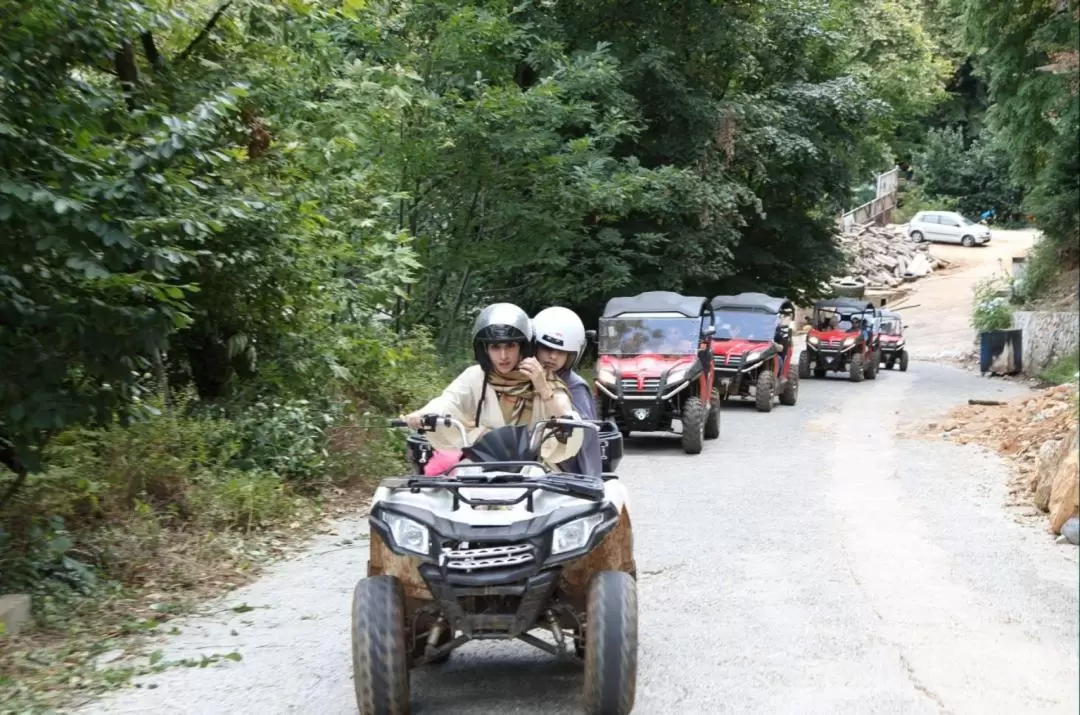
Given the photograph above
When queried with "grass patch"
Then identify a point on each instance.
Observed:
(1063, 372)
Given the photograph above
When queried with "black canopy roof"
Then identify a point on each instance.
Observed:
(852, 304)
(657, 301)
(757, 302)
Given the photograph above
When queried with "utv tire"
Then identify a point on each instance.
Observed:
(763, 392)
(712, 421)
(871, 366)
(890, 363)
(903, 361)
(693, 425)
(380, 659)
(855, 368)
(790, 394)
(804, 365)
(611, 644)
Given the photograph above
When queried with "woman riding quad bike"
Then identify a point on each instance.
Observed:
(559, 343)
(507, 386)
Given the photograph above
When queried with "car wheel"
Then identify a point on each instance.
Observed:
(967, 241)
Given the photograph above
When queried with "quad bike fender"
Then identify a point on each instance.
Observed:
(614, 553)
(384, 562)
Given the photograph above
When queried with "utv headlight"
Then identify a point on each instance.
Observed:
(408, 534)
(812, 340)
(606, 376)
(676, 376)
(574, 534)
(753, 356)
(848, 342)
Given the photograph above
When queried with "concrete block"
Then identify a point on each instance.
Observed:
(14, 613)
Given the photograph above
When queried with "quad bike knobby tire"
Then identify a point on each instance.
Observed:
(804, 365)
(903, 361)
(380, 658)
(871, 366)
(763, 393)
(855, 368)
(611, 644)
(712, 421)
(790, 394)
(693, 425)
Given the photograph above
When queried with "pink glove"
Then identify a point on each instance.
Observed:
(441, 461)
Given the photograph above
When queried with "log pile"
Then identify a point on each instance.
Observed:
(884, 257)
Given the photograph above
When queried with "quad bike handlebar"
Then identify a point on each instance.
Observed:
(561, 425)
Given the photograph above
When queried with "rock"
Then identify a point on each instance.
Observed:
(1070, 530)
(1065, 492)
(14, 613)
(1042, 478)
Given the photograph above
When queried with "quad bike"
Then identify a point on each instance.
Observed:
(498, 547)
(655, 365)
(834, 344)
(752, 349)
(890, 331)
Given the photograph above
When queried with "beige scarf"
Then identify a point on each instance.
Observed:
(516, 395)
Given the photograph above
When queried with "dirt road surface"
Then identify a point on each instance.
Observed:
(939, 328)
(869, 574)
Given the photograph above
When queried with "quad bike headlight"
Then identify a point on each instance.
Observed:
(574, 534)
(408, 534)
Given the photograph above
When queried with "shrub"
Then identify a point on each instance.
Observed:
(990, 310)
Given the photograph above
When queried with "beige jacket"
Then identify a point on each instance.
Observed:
(459, 400)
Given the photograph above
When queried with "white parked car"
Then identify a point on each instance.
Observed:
(947, 227)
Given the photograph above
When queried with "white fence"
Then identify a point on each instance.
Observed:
(884, 200)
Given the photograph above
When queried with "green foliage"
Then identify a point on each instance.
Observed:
(1064, 371)
(968, 178)
(1034, 111)
(991, 311)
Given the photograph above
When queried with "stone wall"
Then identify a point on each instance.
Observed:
(1047, 337)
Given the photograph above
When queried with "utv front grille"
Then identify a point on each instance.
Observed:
(831, 344)
(722, 361)
(650, 386)
(489, 557)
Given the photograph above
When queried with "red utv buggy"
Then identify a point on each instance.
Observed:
(655, 365)
(752, 349)
(842, 339)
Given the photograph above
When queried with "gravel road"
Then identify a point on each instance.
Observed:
(808, 561)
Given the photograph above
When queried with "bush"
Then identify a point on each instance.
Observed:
(991, 311)
(1063, 371)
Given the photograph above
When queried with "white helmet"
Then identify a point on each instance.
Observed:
(560, 329)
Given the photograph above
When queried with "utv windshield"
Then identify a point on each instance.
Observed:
(657, 336)
(829, 319)
(890, 326)
(744, 325)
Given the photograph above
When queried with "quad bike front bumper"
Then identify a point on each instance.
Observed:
(499, 602)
